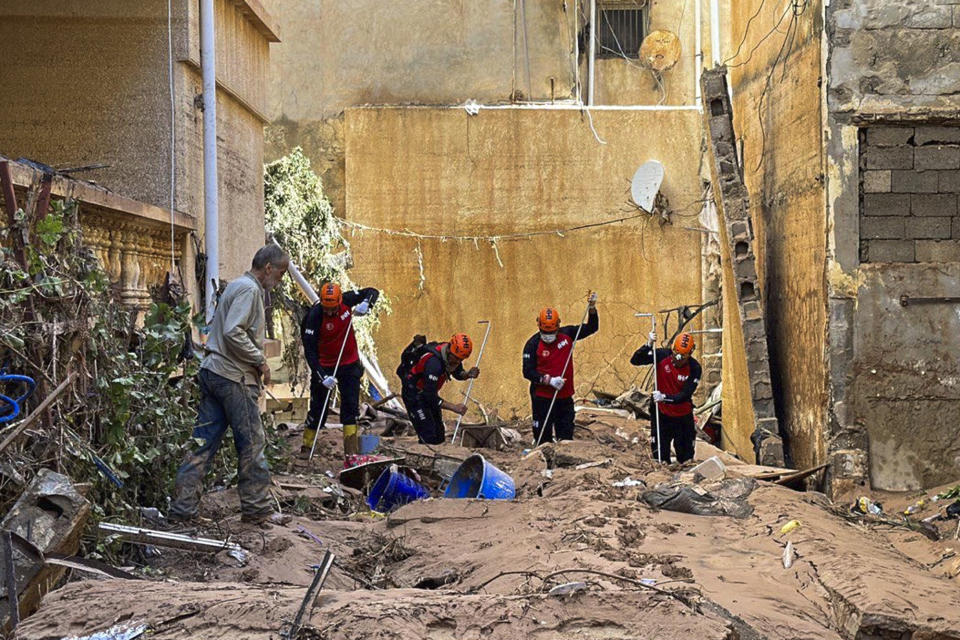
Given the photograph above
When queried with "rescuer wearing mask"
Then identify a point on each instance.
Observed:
(422, 385)
(545, 365)
(678, 375)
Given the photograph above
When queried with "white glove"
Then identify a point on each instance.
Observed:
(557, 382)
(653, 337)
(592, 300)
(658, 396)
(329, 382)
(362, 309)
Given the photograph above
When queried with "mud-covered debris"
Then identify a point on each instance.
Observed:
(729, 499)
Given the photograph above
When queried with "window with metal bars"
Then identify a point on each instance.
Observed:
(620, 32)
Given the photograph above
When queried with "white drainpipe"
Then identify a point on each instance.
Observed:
(593, 51)
(715, 31)
(211, 203)
(698, 48)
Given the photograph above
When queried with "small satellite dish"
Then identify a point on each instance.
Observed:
(646, 184)
(660, 50)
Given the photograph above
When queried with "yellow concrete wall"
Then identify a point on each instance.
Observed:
(439, 170)
(789, 219)
(88, 83)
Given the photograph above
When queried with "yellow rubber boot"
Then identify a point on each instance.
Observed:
(351, 441)
(309, 435)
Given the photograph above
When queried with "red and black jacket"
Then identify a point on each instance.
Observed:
(323, 335)
(540, 358)
(678, 384)
(428, 376)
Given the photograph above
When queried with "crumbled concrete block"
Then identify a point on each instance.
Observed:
(890, 251)
(914, 181)
(941, 204)
(938, 251)
(931, 18)
(710, 469)
(886, 204)
(940, 135)
(890, 158)
(928, 228)
(936, 157)
(876, 227)
(877, 181)
(949, 181)
(889, 136)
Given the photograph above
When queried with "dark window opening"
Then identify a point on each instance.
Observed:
(620, 32)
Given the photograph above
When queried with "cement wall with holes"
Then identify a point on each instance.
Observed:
(892, 161)
(87, 83)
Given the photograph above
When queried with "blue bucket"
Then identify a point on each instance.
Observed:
(369, 444)
(477, 478)
(393, 489)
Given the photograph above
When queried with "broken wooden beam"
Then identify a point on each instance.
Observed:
(140, 535)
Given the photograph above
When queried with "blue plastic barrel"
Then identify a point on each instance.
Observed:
(477, 478)
(369, 444)
(393, 489)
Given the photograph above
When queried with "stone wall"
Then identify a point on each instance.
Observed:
(911, 181)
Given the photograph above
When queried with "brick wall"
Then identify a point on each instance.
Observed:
(909, 190)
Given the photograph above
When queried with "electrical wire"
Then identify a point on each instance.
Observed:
(764, 38)
(746, 32)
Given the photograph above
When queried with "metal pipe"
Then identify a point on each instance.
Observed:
(576, 106)
(591, 61)
(211, 205)
(698, 48)
(466, 398)
(576, 49)
(653, 360)
(715, 31)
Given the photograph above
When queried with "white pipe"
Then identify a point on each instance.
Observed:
(715, 31)
(576, 49)
(210, 183)
(593, 51)
(698, 47)
(580, 107)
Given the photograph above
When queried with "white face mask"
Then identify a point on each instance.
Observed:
(548, 338)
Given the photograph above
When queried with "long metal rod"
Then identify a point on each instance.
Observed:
(322, 570)
(211, 200)
(715, 31)
(653, 359)
(566, 364)
(10, 576)
(697, 48)
(336, 367)
(466, 398)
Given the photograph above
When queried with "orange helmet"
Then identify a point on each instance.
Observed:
(548, 320)
(330, 295)
(461, 345)
(684, 344)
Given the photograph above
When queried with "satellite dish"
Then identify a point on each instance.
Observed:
(660, 50)
(646, 184)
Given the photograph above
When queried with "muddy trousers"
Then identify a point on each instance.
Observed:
(678, 430)
(561, 418)
(224, 403)
(427, 420)
(348, 384)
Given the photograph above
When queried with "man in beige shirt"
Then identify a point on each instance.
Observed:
(231, 376)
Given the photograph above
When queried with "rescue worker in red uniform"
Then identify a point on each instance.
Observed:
(544, 356)
(422, 385)
(678, 375)
(326, 326)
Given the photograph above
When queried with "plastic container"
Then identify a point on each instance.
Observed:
(393, 489)
(477, 478)
(369, 444)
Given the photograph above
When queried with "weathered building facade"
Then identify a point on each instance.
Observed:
(116, 83)
(378, 106)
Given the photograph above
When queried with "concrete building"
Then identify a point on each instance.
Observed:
(374, 91)
(117, 83)
(847, 114)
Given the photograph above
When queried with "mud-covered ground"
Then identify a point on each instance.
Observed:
(445, 568)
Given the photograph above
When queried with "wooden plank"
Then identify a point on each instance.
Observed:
(800, 475)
